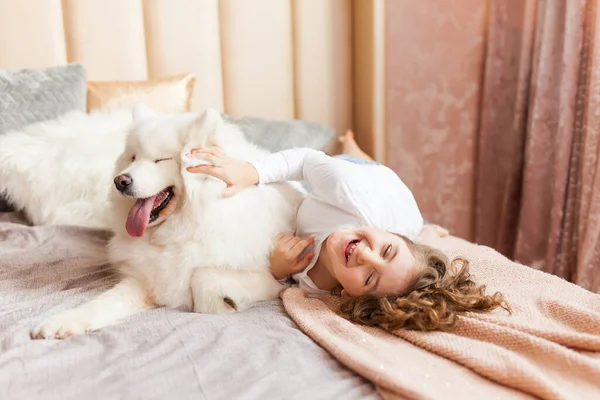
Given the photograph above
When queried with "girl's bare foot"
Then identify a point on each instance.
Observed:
(350, 147)
(430, 232)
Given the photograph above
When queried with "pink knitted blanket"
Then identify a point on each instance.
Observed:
(548, 348)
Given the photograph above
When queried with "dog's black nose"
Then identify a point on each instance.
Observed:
(122, 182)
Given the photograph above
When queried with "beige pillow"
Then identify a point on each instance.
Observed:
(172, 94)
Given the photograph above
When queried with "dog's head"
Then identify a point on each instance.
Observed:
(148, 182)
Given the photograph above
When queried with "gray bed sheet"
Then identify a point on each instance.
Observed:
(159, 354)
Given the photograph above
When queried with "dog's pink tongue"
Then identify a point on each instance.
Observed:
(139, 216)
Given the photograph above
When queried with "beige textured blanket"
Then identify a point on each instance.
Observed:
(548, 348)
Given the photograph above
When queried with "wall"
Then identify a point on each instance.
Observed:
(434, 64)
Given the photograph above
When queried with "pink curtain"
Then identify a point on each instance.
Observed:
(537, 193)
(493, 120)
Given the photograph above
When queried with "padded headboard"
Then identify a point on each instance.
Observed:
(268, 58)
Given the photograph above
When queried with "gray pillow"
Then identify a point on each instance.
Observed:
(29, 96)
(273, 135)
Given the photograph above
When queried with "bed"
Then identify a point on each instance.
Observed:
(548, 348)
(159, 354)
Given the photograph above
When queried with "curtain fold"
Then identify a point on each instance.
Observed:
(587, 271)
(538, 141)
(503, 122)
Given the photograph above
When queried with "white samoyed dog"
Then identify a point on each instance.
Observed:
(177, 243)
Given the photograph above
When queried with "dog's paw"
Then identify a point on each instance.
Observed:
(220, 291)
(215, 305)
(63, 325)
(230, 304)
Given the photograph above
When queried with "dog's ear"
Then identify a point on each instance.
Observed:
(141, 111)
(204, 127)
(209, 121)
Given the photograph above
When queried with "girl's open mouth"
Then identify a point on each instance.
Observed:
(349, 248)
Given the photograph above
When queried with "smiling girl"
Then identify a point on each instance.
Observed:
(358, 235)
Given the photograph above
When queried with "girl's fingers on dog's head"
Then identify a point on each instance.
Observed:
(199, 153)
(217, 151)
(211, 158)
(200, 150)
(206, 169)
(214, 151)
(207, 156)
(200, 169)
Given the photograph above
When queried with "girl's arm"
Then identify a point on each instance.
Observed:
(374, 193)
(290, 165)
(321, 171)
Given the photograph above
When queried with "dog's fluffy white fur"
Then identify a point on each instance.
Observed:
(202, 252)
(59, 171)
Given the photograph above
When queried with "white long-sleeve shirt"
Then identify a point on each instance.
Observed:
(344, 195)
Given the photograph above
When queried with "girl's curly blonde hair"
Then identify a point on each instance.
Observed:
(432, 302)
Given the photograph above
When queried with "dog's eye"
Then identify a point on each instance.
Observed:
(132, 158)
(162, 159)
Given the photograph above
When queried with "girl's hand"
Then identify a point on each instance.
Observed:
(284, 258)
(235, 173)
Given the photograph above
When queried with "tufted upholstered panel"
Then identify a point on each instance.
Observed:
(267, 58)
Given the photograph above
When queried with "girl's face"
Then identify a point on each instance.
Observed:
(369, 261)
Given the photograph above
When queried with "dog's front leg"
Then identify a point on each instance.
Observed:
(127, 298)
